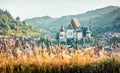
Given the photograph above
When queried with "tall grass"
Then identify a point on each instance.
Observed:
(58, 60)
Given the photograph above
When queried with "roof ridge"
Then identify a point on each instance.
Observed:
(75, 23)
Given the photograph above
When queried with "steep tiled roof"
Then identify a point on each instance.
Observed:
(70, 26)
(75, 23)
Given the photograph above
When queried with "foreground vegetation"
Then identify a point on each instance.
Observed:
(60, 60)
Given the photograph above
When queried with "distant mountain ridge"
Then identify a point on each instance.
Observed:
(101, 19)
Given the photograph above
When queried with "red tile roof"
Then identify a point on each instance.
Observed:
(75, 23)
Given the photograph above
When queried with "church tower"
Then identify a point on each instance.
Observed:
(62, 36)
(77, 29)
(88, 32)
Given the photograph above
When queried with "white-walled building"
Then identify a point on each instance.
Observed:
(72, 32)
(62, 36)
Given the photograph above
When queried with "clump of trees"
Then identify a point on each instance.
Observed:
(10, 26)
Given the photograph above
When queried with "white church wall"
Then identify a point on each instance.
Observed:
(79, 35)
(69, 33)
(62, 36)
(74, 34)
(88, 35)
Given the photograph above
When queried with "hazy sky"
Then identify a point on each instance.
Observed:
(54, 8)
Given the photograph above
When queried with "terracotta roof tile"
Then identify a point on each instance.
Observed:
(75, 23)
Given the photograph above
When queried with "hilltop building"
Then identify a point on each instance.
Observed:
(73, 32)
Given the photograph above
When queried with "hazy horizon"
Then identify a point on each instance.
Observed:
(53, 8)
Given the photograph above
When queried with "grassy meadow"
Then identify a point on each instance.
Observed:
(60, 60)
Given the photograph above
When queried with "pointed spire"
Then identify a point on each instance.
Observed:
(88, 32)
(62, 28)
(70, 26)
(88, 29)
(89, 24)
(89, 21)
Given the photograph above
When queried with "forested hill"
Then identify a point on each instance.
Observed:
(10, 26)
(102, 20)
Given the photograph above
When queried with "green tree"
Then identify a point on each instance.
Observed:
(17, 18)
(57, 35)
(24, 22)
(8, 29)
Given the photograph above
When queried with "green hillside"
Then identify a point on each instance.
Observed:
(10, 26)
(101, 19)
